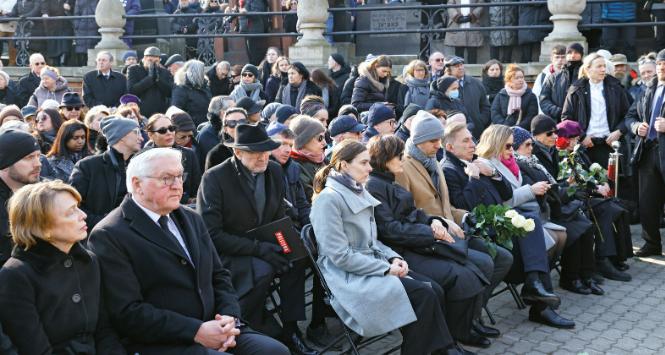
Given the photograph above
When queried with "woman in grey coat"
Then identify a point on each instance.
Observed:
(359, 268)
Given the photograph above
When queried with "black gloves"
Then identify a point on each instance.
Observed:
(272, 253)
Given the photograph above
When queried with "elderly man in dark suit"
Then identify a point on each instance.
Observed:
(176, 298)
(103, 86)
(243, 193)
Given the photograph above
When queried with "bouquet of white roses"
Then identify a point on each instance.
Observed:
(497, 224)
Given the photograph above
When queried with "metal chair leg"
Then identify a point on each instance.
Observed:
(489, 315)
(516, 296)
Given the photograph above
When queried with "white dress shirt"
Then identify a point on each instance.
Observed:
(598, 126)
(172, 227)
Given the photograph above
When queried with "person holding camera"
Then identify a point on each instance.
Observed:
(150, 82)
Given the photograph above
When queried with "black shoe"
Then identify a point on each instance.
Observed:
(297, 345)
(605, 268)
(535, 292)
(476, 340)
(648, 250)
(575, 286)
(456, 350)
(593, 286)
(550, 318)
(484, 330)
(621, 266)
(598, 278)
(321, 337)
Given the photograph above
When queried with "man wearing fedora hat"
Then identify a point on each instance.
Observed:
(150, 82)
(243, 193)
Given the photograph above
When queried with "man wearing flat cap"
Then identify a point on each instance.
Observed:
(243, 193)
(150, 82)
(100, 179)
(472, 94)
(19, 166)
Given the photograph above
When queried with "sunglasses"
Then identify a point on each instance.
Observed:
(73, 108)
(509, 146)
(247, 75)
(550, 133)
(235, 123)
(42, 118)
(163, 130)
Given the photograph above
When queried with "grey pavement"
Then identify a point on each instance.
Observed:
(628, 319)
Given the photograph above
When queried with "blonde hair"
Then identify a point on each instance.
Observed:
(451, 132)
(493, 141)
(586, 64)
(413, 65)
(511, 71)
(31, 211)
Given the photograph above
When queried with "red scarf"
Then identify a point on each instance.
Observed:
(511, 164)
(302, 155)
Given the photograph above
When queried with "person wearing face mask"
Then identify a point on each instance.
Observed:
(599, 104)
(555, 87)
(444, 95)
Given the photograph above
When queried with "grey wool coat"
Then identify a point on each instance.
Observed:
(353, 262)
(464, 38)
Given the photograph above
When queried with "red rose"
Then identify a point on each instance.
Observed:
(562, 143)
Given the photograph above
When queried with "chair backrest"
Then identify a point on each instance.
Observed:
(309, 241)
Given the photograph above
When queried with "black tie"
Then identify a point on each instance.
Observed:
(164, 224)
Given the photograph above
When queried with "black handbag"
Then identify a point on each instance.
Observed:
(637, 153)
(458, 251)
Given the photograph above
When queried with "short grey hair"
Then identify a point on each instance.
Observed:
(224, 64)
(220, 103)
(144, 164)
(107, 53)
(193, 72)
(34, 56)
(16, 124)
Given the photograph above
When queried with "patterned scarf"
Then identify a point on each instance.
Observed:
(533, 162)
(429, 163)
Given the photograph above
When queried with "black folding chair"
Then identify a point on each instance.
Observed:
(309, 241)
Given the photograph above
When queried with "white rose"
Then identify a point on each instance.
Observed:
(530, 225)
(511, 214)
(595, 167)
(518, 221)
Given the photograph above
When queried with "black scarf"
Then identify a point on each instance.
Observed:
(346, 180)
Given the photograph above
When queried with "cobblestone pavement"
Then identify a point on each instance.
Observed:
(628, 319)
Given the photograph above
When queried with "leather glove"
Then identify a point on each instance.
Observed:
(272, 253)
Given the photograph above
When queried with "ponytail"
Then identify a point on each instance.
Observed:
(346, 151)
(320, 180)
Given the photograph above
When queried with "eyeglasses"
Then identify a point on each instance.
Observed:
(163, 130)
(438, 60)
(550, 133)
(247, 75)
(42, 118)
(509, 146)
(73, 108)
(235, 123)
(169, 180)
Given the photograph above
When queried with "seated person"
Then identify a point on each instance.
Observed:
(577, 265)
(44, 306)
(176, 298)
(242, 193)
(496, 149)
(357, 267)
(412, 233)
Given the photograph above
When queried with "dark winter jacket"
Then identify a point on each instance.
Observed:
(555, 88)
(340, 77)
(97, 90)
(9, 95)
(27, 85)
(192, 100)
(310, 89)
(347, 88)
(474, 98)
(85, 27)
(153, 90)
(295, 193)
(219, 86)
(529, 109)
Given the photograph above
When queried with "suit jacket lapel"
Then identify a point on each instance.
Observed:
(190, 236)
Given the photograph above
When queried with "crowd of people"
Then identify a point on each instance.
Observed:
(133, 210)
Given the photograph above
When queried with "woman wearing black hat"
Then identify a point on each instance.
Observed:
(444, 95)
(279, 76)
(72, 107)
(298, 86)
(69, 147)
(249, 86)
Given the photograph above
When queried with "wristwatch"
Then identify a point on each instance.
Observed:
(495, 172)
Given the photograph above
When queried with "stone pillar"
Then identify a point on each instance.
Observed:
(565, 17)
(110, 16)
(312, 49)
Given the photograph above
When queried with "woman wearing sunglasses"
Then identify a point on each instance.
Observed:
(249, 86)
(48, 123)
(72, 107)
(161, 132)
(308, 149)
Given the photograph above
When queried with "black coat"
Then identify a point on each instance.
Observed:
(227, 205)
(217, 155)
(164, 299)
(466, 193)
(340, 77)
(554, 91)
(100, 179)
(549, 158)
(219, 86)
(529, 109)
(98, 90)
(192, 100)
(272, 86)
(577, 106)
(50, 302)
(365, 94)
(9, 95)
(154, 91)
(295, 194)
(6, 243)
(208, 138)
(347, 88)
(27, 85)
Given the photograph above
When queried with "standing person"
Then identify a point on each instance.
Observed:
(187, 25)
(150, 82)
(129, 58)
(84, 27)
(191, 92)
(515, 104)
(557, 63)
(132, 7)
(250, 85)
(339, 216)
(299, 85)
(502, 41)
(529, 39)
(107, 169)
(416, 84)
(599, 104)
(68, 148)
(47, 227)
(436, 64)
(464, 18)
(615, 38)
(278, 78)
(103, 86)
(493, 78)
(19, 166)
(472, 94)
(555, 88)
(52, 86)
(647, 121)
(254, 24)
(58, 50)
(177, 297)
(339, 71)
(265, 67)
(28, 83)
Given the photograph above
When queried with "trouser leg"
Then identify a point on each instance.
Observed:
(652, 197)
